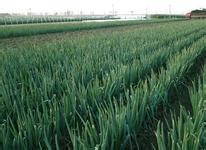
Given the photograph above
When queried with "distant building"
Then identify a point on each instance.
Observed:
(197, 14)
(188, 15)
(4, 15)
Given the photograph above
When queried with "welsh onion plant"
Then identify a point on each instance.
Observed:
(184, 134)
(12, 20)
(34, 29)
(122, 130)
(41, 87)
(188, 131)
(80, 60)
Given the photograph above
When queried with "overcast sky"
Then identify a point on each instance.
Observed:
(101, 6)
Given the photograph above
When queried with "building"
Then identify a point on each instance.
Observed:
(4, 15)
(197, 14)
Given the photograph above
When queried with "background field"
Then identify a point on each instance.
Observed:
(111, 85)
(35, 29)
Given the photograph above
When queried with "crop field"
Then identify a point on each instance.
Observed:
(35, 29)
(12, 20)
(107, 86)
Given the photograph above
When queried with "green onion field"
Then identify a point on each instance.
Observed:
(119, 85)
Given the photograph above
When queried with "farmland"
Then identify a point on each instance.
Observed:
(12, 19)
(112, 85)
(35, 29)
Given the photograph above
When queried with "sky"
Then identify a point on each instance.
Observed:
(101, 6)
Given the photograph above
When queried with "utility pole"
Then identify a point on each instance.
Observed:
(146, 13)
(81, 14)
(170, 9)
(113, 10)
(29, 12)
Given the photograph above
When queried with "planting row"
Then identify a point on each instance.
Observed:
(188, 130)
(47, 103)
(34, 29)
(118, 124)
(12, 20)
(62, 67)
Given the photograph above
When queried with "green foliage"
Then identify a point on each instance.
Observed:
(188, 131)
(16, 20)
(34, 29)
(96, 92)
